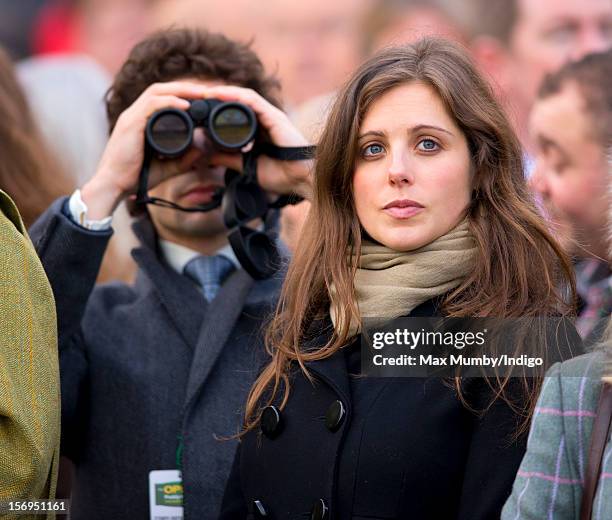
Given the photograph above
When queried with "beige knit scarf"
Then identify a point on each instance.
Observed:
(389, 284)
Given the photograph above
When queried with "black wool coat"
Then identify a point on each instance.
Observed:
(405, 448)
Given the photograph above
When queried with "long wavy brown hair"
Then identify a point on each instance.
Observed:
(519, 270)
(28, 172)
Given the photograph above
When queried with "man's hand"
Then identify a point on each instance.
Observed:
(119, 167)
(274, 175)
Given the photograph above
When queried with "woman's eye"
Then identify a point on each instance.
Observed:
(372, 150)
(427, 145)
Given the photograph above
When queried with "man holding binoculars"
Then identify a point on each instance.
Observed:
(153, 374)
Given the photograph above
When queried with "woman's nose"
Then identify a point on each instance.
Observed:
(400, 170)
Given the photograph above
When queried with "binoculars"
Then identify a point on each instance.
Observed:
(229, 126)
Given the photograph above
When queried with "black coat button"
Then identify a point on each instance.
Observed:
(259, 511)
(271, 421)
(319, 510)
(334, 416)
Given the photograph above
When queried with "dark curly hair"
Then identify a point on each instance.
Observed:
(172, 54)
(176, 53)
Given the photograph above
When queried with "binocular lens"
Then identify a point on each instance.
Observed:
(230, 126)
(170, 133)
(233, 126)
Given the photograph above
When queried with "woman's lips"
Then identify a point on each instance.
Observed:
(403, 213)
(403, 208)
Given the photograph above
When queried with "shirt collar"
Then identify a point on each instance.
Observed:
(177, 255)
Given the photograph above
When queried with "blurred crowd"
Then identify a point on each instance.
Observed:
(66, 52)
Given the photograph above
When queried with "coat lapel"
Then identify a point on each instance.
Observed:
(239, 294)
(332, 369)
(218, 324)
(178, 295)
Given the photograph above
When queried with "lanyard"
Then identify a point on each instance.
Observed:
(179, 452)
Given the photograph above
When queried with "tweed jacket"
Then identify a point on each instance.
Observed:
(29, 374)
(550, 479)
(148, 368)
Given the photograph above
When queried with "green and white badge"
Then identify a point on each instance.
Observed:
(166, 494)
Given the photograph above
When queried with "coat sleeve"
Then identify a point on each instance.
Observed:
(234, 506)
(546, 483)
(71, 256)
(493, 459)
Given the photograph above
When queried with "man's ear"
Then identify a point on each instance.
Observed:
(494, 60)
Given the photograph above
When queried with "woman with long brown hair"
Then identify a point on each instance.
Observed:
(419, 209)
(28, 172)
